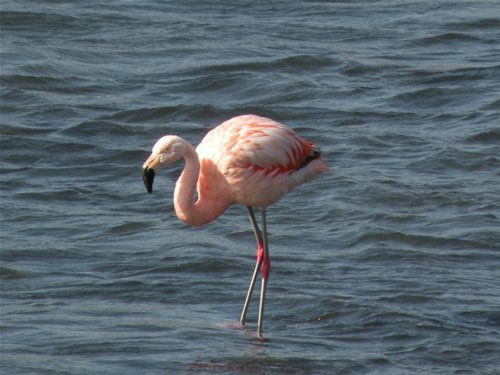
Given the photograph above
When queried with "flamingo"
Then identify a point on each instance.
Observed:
(247, 160)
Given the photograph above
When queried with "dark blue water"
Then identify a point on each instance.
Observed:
(389, 265)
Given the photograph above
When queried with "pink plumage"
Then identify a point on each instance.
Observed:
(249, 160)
(260, 159)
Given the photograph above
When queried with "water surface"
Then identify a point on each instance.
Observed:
(389, 265)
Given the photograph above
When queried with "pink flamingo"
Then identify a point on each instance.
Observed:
(248, 160)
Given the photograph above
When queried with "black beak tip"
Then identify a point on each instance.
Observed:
(148, 176)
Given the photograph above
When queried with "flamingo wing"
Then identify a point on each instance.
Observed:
(255, 142)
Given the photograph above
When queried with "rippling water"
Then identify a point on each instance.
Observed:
(389, 265)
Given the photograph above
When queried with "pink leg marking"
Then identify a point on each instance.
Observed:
(264, 260)
(266, 266)
(260, 252)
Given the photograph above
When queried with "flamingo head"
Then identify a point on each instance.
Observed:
(167, 150)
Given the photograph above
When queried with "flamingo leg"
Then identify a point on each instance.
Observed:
(258, 237)
(265, 267)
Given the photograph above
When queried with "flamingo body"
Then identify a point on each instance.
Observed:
(260, 159)
(248, 160)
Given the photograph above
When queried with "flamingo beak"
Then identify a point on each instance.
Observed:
(148, 172)
(148, 176)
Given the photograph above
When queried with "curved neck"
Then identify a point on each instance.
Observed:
(209, 205)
